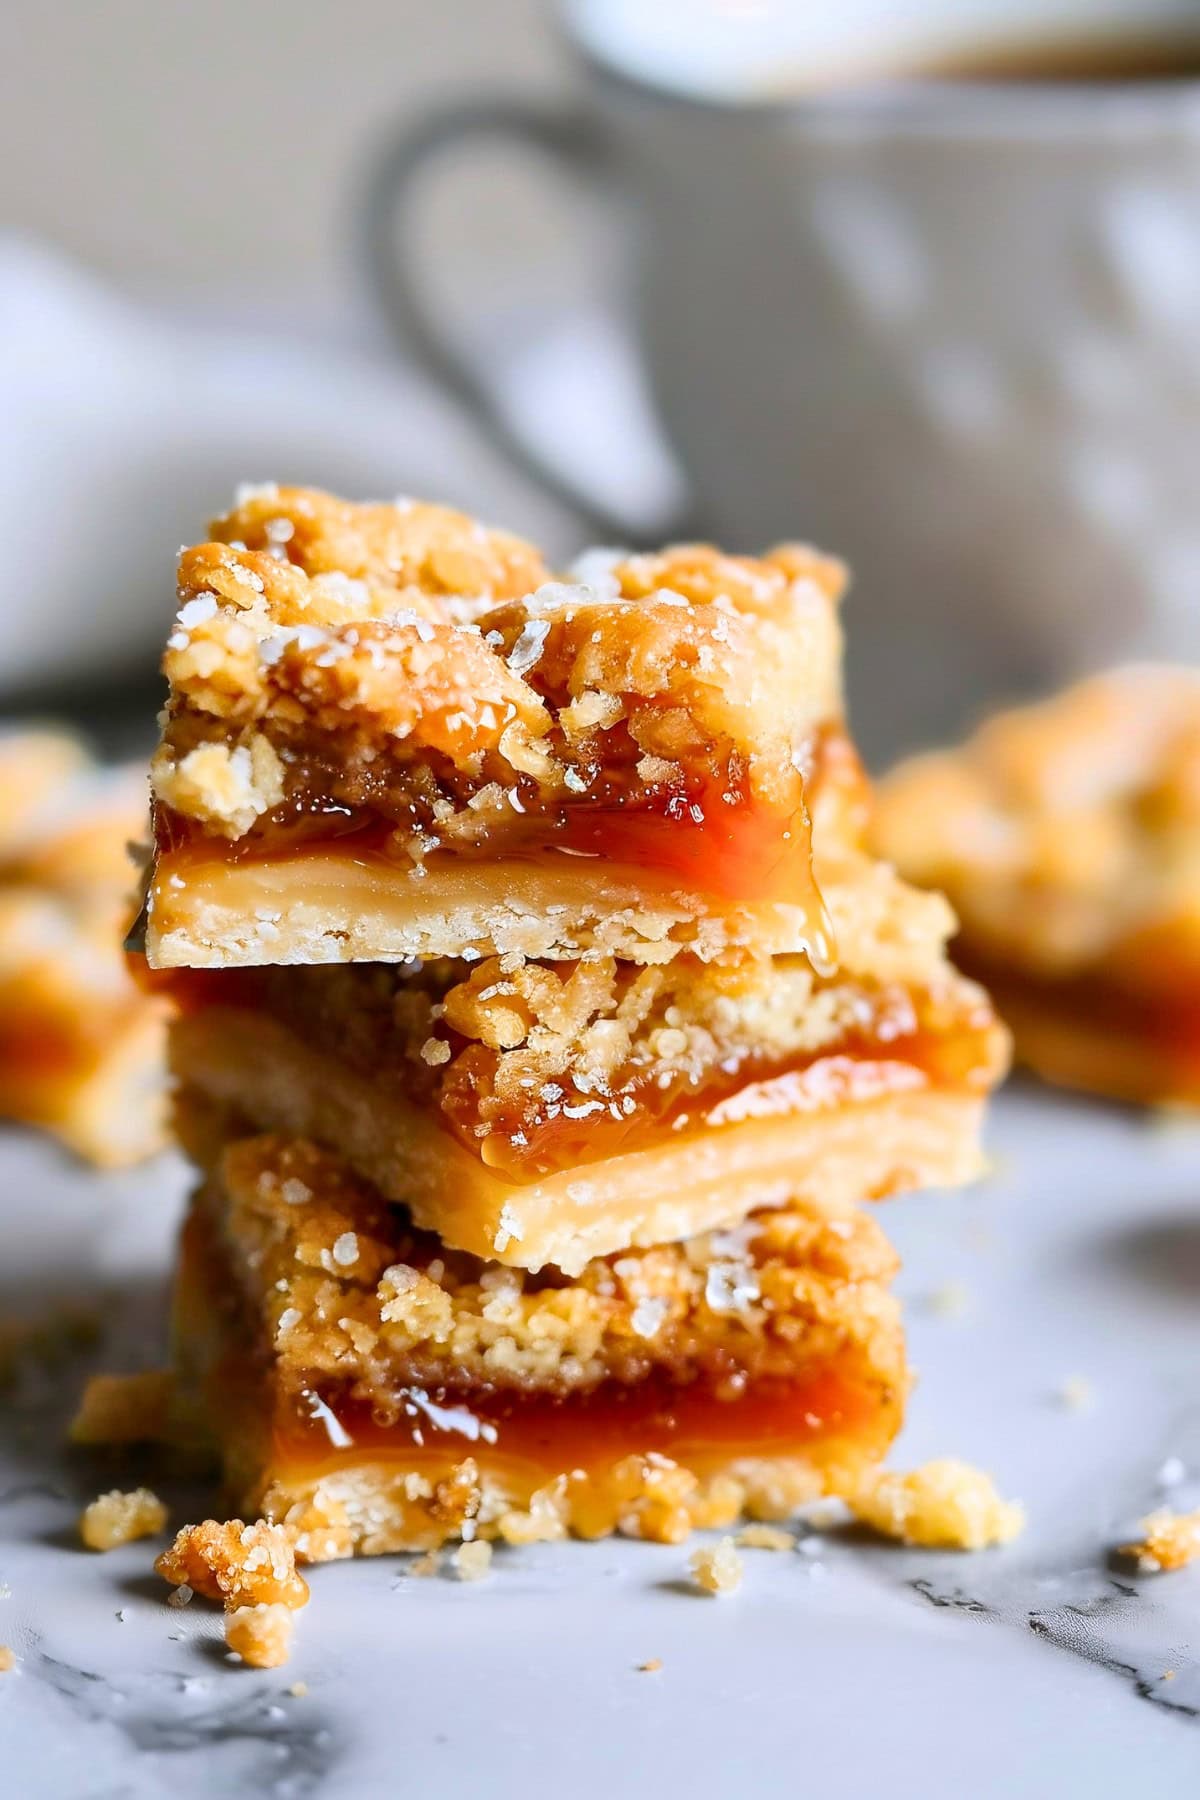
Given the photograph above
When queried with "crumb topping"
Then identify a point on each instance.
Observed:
(119, 1518)
(943, 1505)
(238, 1564)
(410, 662)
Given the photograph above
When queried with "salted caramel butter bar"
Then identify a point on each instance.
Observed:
(392, 732)
(1067, 836)
(374, 1391)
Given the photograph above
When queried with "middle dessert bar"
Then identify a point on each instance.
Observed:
(541, 1113)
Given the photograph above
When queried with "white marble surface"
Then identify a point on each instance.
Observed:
(861, 1669)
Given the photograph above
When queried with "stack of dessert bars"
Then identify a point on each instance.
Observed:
(541, 1024)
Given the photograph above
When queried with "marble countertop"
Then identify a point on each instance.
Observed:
(1044, 1668)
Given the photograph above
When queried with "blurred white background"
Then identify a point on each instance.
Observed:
(210, 147)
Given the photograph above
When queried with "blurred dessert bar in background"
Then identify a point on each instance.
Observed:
(1067, 837)
(82, 1048)
(534, 920)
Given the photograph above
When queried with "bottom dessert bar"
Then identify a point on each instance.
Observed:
(376, 1392)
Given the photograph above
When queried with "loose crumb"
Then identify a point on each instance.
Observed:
(765, 1537)
(650, 1668)
(123, 1409)
(241, 1565)
(120, 1518)
(181, 1596)
(428, 1564)
(8, 1659)
(717, 1569)
(943, 1505)
(473, 1561)
(261, 1635)
(298, 1690)
(1173, 1473)
(1172, 1541)
(1076, 1393)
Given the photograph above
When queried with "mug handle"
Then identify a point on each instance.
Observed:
(560, 136)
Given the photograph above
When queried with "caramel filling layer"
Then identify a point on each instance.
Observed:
(709, 838)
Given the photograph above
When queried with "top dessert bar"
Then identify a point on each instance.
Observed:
(393, 732)
(1067, 837)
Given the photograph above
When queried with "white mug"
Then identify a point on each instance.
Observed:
(949, 328)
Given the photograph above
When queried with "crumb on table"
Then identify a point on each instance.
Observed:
(119, 1518)
(943, 1505)
(473, 1561)
(123, 1409)
(261, 1635)
(241, 1565)
(717, 1568)
(651, 1667)
(8, 1659)
(1171, 1541)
